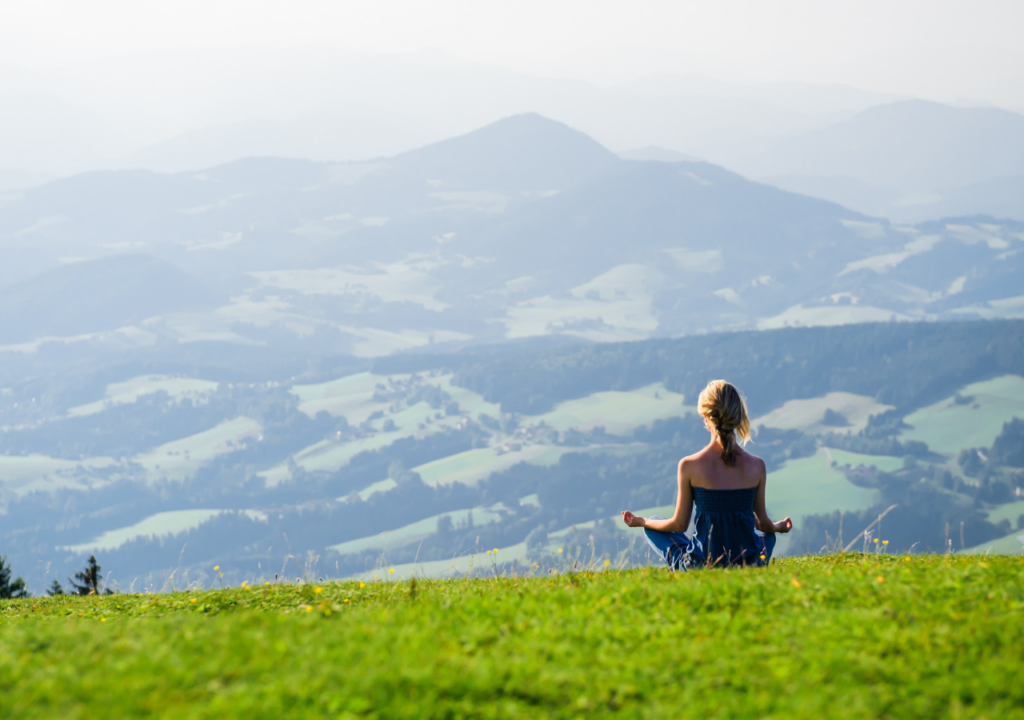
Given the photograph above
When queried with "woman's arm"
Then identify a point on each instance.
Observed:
(764, 523)
(684, 508)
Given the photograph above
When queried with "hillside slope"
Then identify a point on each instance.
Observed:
(832, 637)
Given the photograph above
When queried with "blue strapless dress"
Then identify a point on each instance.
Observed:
(725, 533)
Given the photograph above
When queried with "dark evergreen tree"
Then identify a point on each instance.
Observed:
(56, 588)
(1008, 449)
(9, 588)
(87, 582)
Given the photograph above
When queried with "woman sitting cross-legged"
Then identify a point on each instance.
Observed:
(726, 483)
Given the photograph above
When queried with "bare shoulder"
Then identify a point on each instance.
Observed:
(691, 461)
(688, 465)
(756, 464)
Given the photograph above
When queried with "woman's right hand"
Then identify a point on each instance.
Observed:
(632, 520)
(784, 526)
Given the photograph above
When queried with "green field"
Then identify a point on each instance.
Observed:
(417, 531)
(810, 486)
(565, 545)
(472, 466)
(618, 412)
(157, 525)
(949, 427)
(22, 474)
(1009, 511)
(350, 396)
(180, 459)
(329, 455)
(496, 561)
(468, 400)
(161, 524)
(842, 636)
(806, 415)
(1012, 544)
(885, 463)
(800, 316)
(123, 393)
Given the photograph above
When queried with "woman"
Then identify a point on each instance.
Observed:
(727, 485)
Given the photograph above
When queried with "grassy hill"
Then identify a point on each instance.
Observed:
(839, 636)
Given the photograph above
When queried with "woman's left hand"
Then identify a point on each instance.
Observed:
(632, 520)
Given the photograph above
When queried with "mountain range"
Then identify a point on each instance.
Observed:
(908, 161)
(523, 228)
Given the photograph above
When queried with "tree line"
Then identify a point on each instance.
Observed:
(88, 581)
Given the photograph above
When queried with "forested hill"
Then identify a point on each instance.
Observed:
(422, 458)
(907, 365)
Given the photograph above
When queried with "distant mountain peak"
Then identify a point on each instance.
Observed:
(525, 152)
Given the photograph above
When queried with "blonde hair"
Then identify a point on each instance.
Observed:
(724, 408)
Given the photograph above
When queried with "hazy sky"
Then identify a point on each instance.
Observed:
(939, 49)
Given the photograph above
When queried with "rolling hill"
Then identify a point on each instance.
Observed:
(524, 228)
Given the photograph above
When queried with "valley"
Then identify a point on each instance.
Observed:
(444, 463)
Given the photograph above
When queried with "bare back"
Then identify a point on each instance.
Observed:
(705, 469)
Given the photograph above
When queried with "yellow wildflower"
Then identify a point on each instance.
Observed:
(495, 550)
(192, 600)
(607, 563)
(559, 549)
(362, 584)
(885, 542)
(318, 590)
(875, 540)
(880, 579)
(796, 583)
(391, 570)
(345, 600)
(103, 619)
(216, 567)
(309, 608)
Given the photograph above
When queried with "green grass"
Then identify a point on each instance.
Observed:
(828, 637)
(806, 415)
(949, 427)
